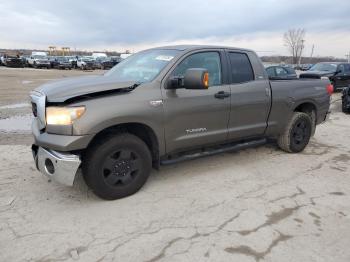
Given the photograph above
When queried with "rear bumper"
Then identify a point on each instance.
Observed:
(59, 166)
(64, 66)
(43, 64)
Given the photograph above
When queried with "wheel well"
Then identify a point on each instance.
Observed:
(307, 108)
(142, 131)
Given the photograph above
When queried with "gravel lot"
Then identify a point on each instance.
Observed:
(254, 205)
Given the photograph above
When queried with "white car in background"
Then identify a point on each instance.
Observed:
(39, 61)
(86, 62)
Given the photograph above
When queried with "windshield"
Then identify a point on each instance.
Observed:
(87, 59)
(40, 57)
(62, 59)
(143, 66)
(324, 67)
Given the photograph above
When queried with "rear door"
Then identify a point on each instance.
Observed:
(250, 96)
(196, 118)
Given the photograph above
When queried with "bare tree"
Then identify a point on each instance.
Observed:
(294, 41)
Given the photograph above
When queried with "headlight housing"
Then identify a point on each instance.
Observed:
(63, 115)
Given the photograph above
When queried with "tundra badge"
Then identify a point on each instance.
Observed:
(156, 102)
(196, 130)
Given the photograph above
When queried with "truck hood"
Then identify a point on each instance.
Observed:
(316, 73)
(62, 90)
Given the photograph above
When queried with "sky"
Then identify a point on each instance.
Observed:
(136, 25)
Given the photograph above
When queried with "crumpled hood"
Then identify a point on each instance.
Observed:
(61, 90)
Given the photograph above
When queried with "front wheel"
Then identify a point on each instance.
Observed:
(117, 166)
(297, 133)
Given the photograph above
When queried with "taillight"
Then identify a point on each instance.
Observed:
(330, 89)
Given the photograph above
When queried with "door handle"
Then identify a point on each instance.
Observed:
(222, 94)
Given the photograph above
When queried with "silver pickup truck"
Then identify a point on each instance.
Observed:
(165, 105)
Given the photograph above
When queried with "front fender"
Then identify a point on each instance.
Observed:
(112, 110)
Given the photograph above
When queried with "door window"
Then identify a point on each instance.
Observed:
(271, 71)
(281, 72)
(207, 60)
(242, 70)
(347, 68)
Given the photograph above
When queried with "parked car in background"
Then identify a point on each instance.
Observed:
(86, 62)
(73, 60)
(52, 60)
(61, 62)
(25, 60)
(281, 72)
(337, 72)
(12, 61)
(116, 59)
(305, 67)
(105, 63)
(39, 61)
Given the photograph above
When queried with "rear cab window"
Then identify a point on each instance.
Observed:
(241, 68)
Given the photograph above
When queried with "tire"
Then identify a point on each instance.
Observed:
(297, 134)
(117, 166)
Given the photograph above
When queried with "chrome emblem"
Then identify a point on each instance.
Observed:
(156, 102)
(196, 130)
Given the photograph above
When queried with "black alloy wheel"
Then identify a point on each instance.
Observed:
(121, 167)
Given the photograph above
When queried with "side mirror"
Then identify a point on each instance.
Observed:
(175, 82)
(196, 78)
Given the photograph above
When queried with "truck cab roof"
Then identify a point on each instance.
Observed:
(196, 47)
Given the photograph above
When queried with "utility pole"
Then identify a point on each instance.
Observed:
(348, 57)
(301, 50)
(312, 51)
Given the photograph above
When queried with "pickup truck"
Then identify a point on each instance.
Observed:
(86, 62)
(166, 105)
(12, 61)
(39, 61)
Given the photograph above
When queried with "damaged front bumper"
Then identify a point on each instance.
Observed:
(59, 166)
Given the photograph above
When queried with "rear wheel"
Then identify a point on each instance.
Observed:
(297, 133)
(117, 166)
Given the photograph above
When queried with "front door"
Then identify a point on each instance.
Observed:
(195, 118)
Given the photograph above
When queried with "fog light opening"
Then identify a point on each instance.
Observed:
(49, 167)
